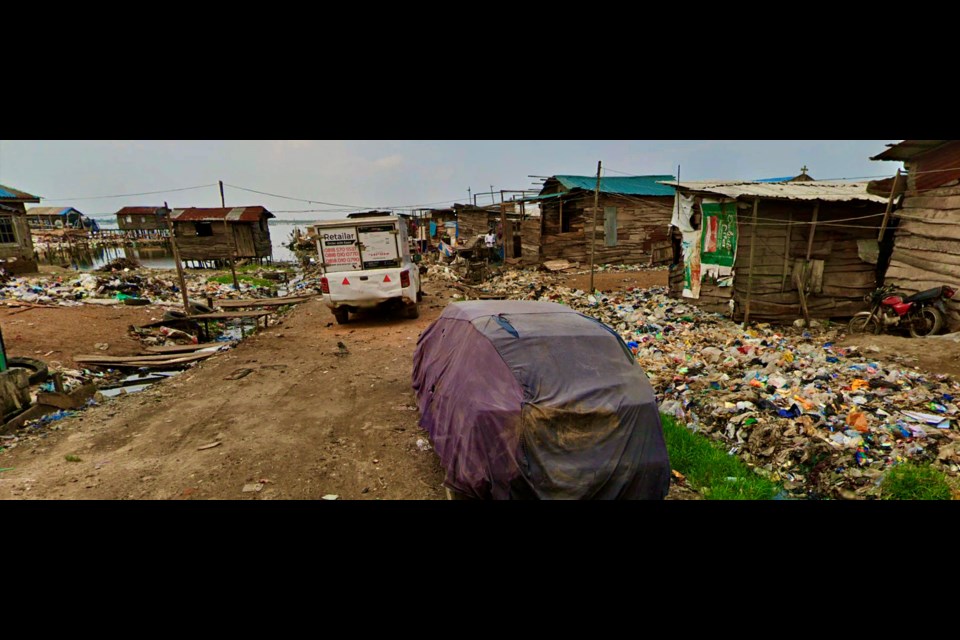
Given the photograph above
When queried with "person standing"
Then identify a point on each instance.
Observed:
(490, 242)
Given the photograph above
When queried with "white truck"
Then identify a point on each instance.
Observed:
(366, 262)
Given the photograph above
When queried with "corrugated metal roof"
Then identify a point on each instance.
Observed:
(9, 193)
(233, 214)
(138, 211)
(50, 211)
(533, 198)
(825, 191)
(908, 149)
(627, 185)
(349, 222)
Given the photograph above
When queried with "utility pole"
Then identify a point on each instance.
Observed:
(176, 259)
(593, 232)
(226, 227)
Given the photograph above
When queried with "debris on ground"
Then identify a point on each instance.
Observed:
(120, 264)
(826, 422)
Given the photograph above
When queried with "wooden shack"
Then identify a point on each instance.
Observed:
(777, 251)
(42, 218)
(217, 235)
(16, 243)
(925, 227)
(143, 221)
(632, 221)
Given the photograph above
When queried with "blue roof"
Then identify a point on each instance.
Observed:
(787, 179)
(628, 185)
(9, 193)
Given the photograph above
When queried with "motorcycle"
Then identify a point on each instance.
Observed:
(923, 314)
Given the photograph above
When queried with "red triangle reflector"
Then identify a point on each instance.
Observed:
(386, 278)
(345, 281)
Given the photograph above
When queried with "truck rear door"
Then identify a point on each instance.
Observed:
(378, 246)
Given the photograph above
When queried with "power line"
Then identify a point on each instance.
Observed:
(342, 206)
(129, 195)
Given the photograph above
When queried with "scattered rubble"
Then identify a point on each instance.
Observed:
(826, 422)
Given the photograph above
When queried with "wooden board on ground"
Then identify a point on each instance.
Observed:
(141, 361)
(186, 348)
(227, 315)
(557, 265)
(262, 302)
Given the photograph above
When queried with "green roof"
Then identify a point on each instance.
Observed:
(628, 185)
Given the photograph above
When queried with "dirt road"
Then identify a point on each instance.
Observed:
(309, 420)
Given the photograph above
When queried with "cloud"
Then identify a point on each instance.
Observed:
(388, 162)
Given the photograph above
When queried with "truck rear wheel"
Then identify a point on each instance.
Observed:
(412, 311)
(342, 316)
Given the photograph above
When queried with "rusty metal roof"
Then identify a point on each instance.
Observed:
(139, 211)
(9, 193)
(908, 149)
(50, 211)
(825, 191)
(231, 214)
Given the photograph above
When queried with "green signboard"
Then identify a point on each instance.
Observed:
(718, 244)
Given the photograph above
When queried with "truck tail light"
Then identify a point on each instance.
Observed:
(324, 285)
(404, 278)
(949, 291)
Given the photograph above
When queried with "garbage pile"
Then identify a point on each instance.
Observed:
(826, 422)
(120, 284)
(120, 264)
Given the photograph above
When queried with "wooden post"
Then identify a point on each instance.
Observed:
(58, 382)
(753, 246)
(886, 215)
(786, 254)
(503, 228)
(804, 277)
(813, 230)
(801, 280)
(226, 228)
(176, 260)
(593, 231)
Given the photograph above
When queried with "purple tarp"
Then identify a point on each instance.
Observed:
(528, 399)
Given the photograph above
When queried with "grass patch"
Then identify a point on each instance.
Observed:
(915, 482)
(251, 280)
(709, 469)
(70, 458)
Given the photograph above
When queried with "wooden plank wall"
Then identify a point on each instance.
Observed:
(472, 223)
(219, 246)
(846, 278)
(24, 247)
(643, 225)
(530, 240)
(261, 242)
(926, 249)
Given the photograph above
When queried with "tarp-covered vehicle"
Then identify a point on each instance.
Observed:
(533, 400)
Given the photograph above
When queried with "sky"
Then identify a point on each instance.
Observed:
(340, 176)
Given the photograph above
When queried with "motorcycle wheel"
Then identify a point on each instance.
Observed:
(926, 322)
(864, 322)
